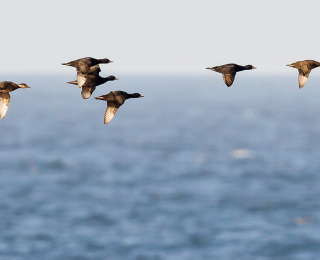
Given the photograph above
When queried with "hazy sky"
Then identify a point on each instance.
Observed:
(145, 36)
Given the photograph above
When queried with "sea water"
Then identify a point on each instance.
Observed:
(193, 170)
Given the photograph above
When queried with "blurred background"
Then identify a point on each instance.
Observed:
(194, 170)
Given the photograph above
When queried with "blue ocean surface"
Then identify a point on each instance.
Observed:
(193, 170)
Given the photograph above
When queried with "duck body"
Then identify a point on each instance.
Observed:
(92, 83)
(89, 82)
(5, 88)
(84, 64)
(115, 99)
(229, 71)
(304, 67)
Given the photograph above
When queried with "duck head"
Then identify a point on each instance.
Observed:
(135, 95)
(23, 85)
(249, 67)
(105, 61)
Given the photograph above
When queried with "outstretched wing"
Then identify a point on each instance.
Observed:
(112, 107)
(83, 76)
(302, 78)
(86, 92)
(81, 79)
(228, 78)
(4, 103)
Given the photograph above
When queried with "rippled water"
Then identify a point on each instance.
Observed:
(194, 170)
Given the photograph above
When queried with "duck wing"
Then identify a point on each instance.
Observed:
(86, 92)
(120, 96)
(94, 70)
(6, 85)
(82, 77)
(229, 73)
(302, 78)
(4, 103)
(228, 78)
(112, 108)
(83, 67)
(312, 64)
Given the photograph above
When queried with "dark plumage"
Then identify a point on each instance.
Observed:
(304, 68)
(229, 71)
(5, 88)
(115, 99)
(84, 64)
(89, 82)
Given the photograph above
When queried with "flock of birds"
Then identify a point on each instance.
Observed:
(88, 79)
(229, 70)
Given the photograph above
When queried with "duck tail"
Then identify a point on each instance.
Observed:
(73, 82)
(100, 98)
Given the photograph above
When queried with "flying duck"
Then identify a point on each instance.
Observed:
(304, 68)
(84, 64)
(115, 99)
(89, 82)
(229, 71)
(5, 88)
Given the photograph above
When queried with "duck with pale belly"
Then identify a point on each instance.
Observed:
(5, 88)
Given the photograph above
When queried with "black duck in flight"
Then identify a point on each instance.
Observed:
(229, 71)
(84, 64)
(5, 88)
(115, 99)
(304, 67)
(89, 82)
